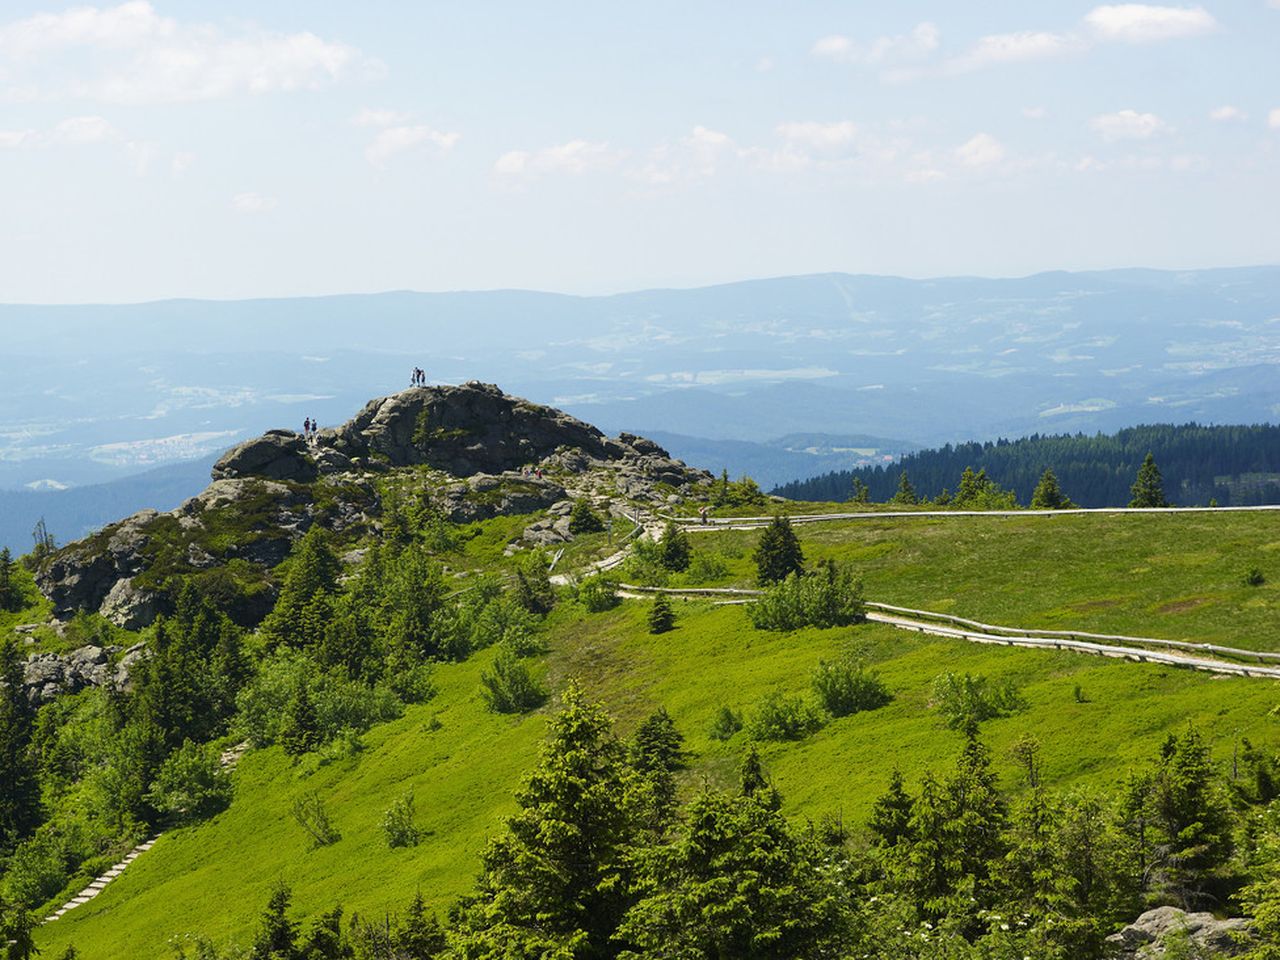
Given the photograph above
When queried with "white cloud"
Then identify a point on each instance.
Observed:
(917, 45)
(181, 163)
(820, 136)
(1227, 113)
(764, 64)
(395, 140)
(982, 150)
(1273, 119)
(1020, 47)
(84, 130)
(253, 203)
(1035, 113)
(380, 118)
(1128, 125)
(1143, 23)
(573, 158)
(13, 139)
(834, 47)
(131, 54)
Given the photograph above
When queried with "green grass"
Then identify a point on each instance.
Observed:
(1170, 576)
(214, 878)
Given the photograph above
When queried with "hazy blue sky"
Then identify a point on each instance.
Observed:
(231, 149)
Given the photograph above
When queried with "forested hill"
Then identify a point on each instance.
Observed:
(1236, 465)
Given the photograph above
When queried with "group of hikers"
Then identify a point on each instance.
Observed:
(309, 429)
(418, 378)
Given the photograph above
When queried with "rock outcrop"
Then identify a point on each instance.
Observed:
(1148, 937)
(276, 455)
(508, 455)
(46, 675)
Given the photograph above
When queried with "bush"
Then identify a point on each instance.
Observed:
(37, 870)
(533, 584)
(598, 594)
(309, 812)
(583, 519)
(192, 783)
(832, 597)
(846, 687)
(675, 555)
(1254, 578)
(965, 700)
(779, 717)
(645, 566)
(338, 702)
(398, 825)
(726, 724)
(492, 619)
(509, 687)
(707, 567)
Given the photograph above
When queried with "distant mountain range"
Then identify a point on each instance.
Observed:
(96, 393)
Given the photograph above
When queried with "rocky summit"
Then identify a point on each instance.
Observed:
(472, 450)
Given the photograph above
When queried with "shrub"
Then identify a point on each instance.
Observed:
(598, 594)
(675, 555)
(661, 617)
(726, 724)
(309, 812)
(498, 619)
(832, 597)
(191, 783)
(398, 825)
(846, 687)
(583, 519)
(779, 717)
(707, 567)
(533, 584)
(1254, 578)
(37, 870)
(645, 566)
(509, 687)
(965, 700)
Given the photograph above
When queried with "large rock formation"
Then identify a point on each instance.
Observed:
(505, 455)
(1152, 934)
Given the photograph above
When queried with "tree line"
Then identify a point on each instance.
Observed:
(1232, 465)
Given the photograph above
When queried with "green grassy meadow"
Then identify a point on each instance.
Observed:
(1165, 575)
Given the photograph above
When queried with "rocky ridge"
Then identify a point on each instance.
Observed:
(497, 454)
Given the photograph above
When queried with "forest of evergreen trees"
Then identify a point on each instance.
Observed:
(1234, 465)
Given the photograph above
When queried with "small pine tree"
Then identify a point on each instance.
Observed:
(420, 936)
(721, 495)
(300, 731)
(751, 776)
(861, 492)
(676, 553)
(661, 617)
(890, 820)
(1048, 495)
(1148, 488)
(583, 519)
(906, 494)
(779, 553)
(10, 595)
(277, 937)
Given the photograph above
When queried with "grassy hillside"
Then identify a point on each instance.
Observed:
(1176, 576)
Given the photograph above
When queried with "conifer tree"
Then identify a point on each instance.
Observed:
(420, 937)
(890, 820)
(656, 753)
(277, 937)
(583, 519)
(675, 552)
(300, 730)
(751, 776)
(551, 885)
(19, 788)
(906, 494)
(861, 492)
(1148, 488)
(10, 595)
(312, 577)
(778, 553)
(661, 617)
(1048, 495)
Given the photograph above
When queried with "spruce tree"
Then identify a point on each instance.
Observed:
(1048, 495)
(552, 884)
(890, 820)
(300, 729)
(661, 617)
(420, 936)
(1148, 488)
(583, 519)
(277, 936)
(675, 552)
(861, 492)
(10, 594)
(906, 494)
(656, 753)
(751, 775)
(778, 553)
(19, 788)
(312, 575)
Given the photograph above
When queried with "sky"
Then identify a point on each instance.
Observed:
(174, 148)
